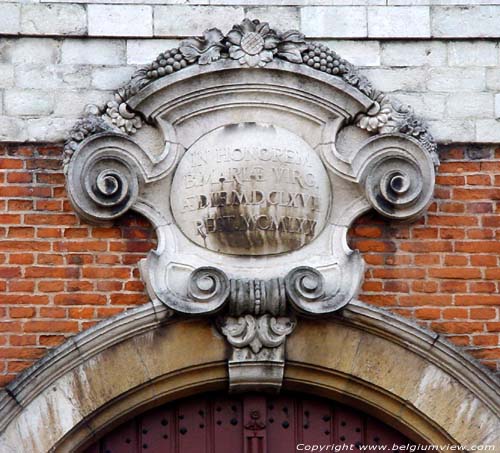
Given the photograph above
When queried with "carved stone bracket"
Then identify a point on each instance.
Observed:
(258, 357)
(251, 153)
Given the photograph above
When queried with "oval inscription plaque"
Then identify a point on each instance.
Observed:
(250, 189)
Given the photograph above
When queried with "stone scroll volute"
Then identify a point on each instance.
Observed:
(251, 153)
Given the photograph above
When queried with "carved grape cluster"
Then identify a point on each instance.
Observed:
(319, 56)
(166, 63)
(254, 43)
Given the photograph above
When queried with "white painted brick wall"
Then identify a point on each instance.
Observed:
(46, 129)
(70, 103)
(56, 56)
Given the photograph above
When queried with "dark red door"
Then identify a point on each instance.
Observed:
(218, 423)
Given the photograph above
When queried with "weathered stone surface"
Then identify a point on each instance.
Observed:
(123, 20)
(6, 75)
(360, 53)
(111, 78)
(194, 19)
(71, 103)
(456, 79)
(76, 76)
(95, 51)
(281, 18)
(465, 21)
(53, 19)
(497, 106)
(52, 129)
(409, 79)
(431, 106)
(470, 105)
(334, 22)
(251, 189)
(12, 129)
(143, 51)
(28, 102)
(493, 79)
(342, 339)
(41, 77)
(377, 362)
(399, 22)
(475, 53)
(29, 50)
(416, 53)
(10, 19)
(449, 131)
(487, 130)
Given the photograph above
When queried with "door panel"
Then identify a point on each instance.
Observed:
(253, 423)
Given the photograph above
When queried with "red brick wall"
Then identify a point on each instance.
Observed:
(443, 270)
(59, 276)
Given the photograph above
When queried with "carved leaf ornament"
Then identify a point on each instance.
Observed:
(252, 43)
(251, 213)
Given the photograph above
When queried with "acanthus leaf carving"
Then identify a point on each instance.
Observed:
(260, 332)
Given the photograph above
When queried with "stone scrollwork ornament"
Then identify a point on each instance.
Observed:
(251, 153)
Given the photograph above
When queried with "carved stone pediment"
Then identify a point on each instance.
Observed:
(251, 154)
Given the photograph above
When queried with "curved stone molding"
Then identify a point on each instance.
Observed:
(398, 176)
(208, 290)
(103, 180)
(305, 287)
(427, 389)
(251, 153)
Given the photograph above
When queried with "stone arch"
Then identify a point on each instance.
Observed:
(385, 365)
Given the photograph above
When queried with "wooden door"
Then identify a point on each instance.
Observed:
(256, 423)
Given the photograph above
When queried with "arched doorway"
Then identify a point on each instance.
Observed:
(376, 362)
(252, 423)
